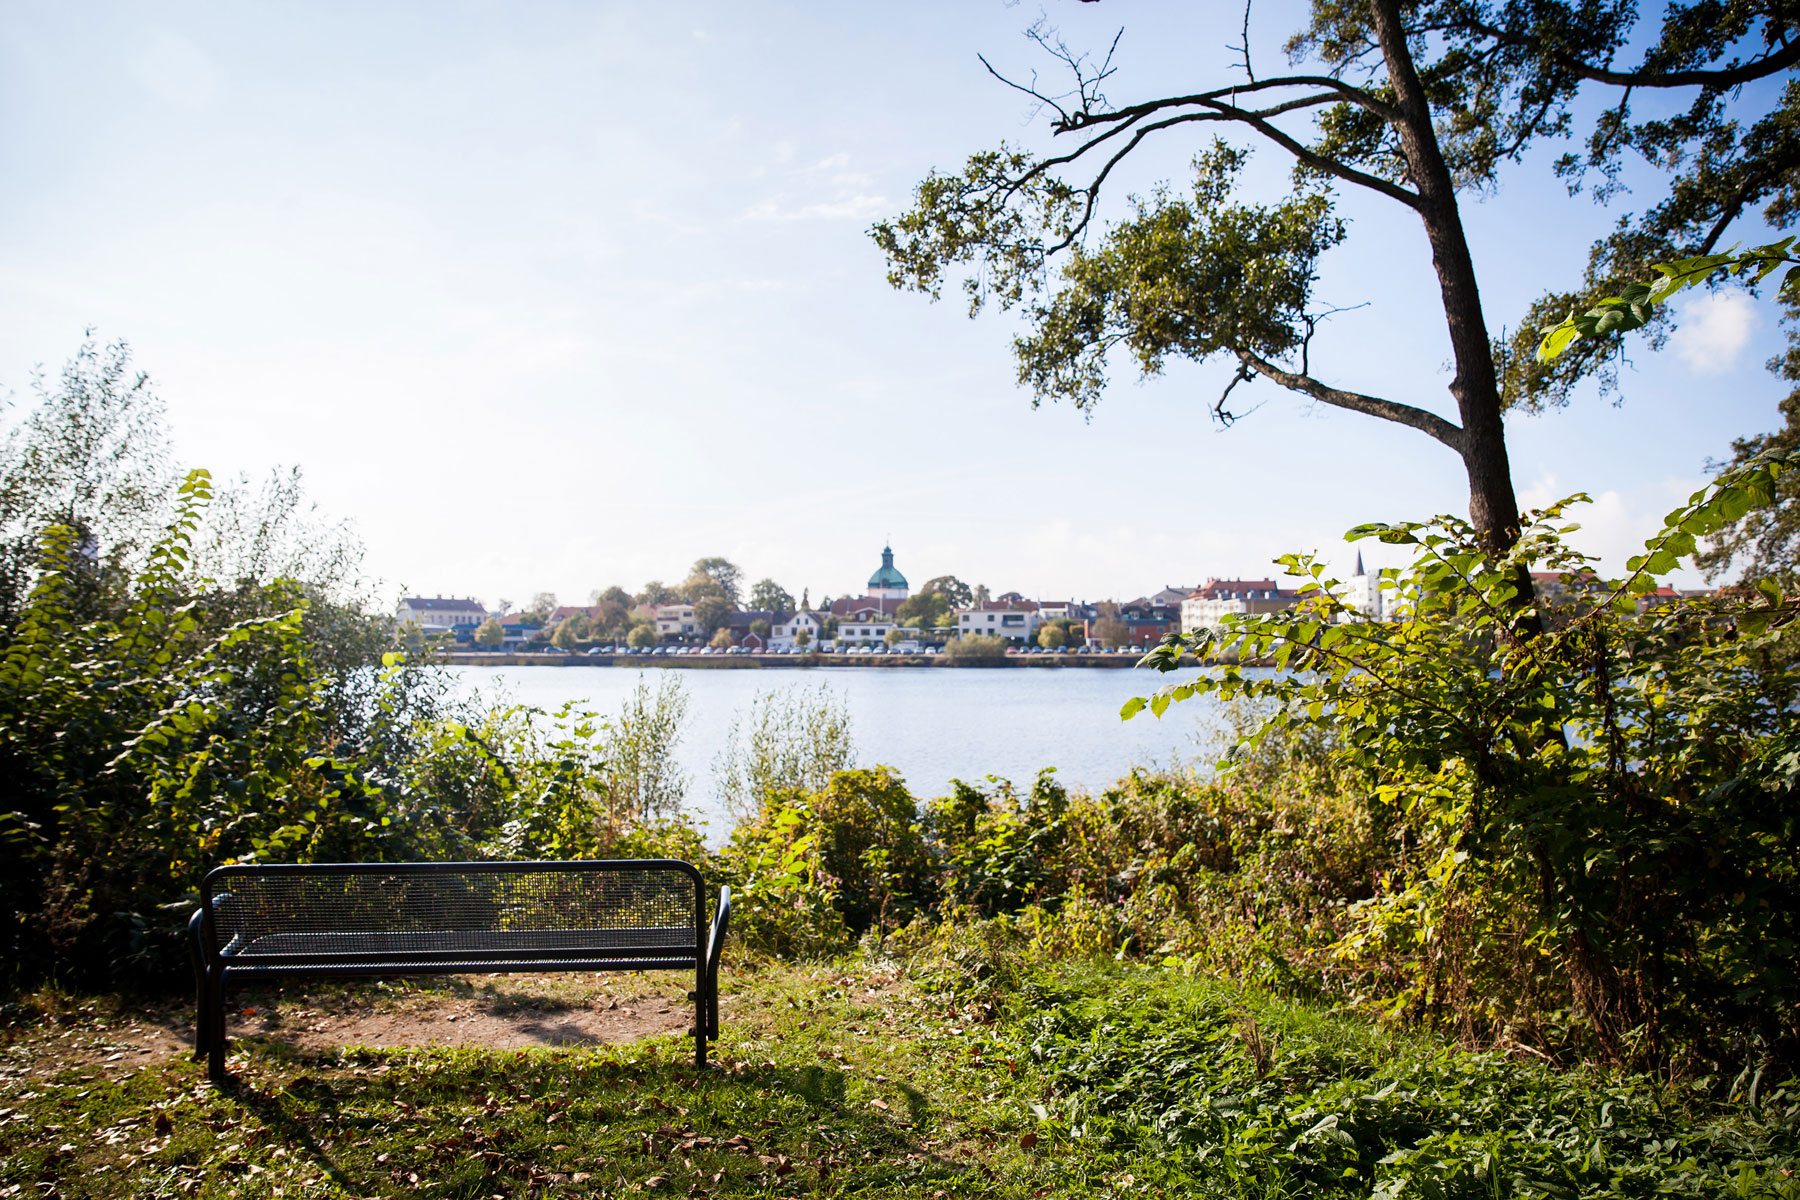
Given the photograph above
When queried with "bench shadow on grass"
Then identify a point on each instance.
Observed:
(291, 1112)
(497, 995)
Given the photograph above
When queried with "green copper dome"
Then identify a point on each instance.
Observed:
(887, 577)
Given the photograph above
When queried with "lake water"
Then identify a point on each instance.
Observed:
(930, 725)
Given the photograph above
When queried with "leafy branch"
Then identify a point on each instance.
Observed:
(1632, 308)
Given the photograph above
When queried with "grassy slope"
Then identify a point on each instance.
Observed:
(846, 1080)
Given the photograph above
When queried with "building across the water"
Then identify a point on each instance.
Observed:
(887, 591)
(440, 614)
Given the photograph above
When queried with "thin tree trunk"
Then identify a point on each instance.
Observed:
(1493, 509)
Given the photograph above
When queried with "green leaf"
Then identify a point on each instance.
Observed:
(1557, 338)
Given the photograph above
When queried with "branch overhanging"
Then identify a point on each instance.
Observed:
(1374, 406)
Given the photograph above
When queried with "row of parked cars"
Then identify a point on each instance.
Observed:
(668, 651)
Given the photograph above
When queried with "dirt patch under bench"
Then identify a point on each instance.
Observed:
(504, 1012)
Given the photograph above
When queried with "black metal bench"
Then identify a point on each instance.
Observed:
(270, 922)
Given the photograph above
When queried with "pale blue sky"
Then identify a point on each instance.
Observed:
(553, 296)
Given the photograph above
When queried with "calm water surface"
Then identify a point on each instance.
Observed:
(931, 725)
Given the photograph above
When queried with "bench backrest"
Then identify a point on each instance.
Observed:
(245, 903)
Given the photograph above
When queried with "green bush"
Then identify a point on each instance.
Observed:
(1596, 796)
(816, 869)
(977, 649)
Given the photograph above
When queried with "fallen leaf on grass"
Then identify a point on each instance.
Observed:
(881, 1104)
(1027, 1140)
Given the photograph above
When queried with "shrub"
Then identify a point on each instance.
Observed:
(977, 649)
(791, 740)
(1597, 797)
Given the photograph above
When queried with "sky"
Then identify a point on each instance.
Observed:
(551, 297)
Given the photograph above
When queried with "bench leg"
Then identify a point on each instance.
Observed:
(201, 1008)
(215, 1048)
(700, 1011)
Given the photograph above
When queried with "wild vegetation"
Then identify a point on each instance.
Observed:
(1473, 907)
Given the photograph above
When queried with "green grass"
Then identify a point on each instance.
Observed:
(850, 1080)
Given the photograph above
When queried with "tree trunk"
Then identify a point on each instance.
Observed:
(1493, 509)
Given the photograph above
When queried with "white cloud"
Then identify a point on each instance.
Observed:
(844, 207)
(1714, 330)
(176, 70)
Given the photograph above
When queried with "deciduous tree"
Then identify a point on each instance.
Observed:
(770, 596)
(1416, 103)
(710, 612)
(713, 577)
(955, 592)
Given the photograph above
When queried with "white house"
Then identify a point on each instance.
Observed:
(676, 620)
(1208, 605)
(439, 614)
(785, 630)
(1013, 624)
(867, 632)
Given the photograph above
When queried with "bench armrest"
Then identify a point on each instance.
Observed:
(715, 941)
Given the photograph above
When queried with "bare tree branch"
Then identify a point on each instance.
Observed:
(1337, 87)
(1373, 406)
(1244, 47)
(1223, 415)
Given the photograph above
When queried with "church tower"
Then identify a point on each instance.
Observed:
(888, 583)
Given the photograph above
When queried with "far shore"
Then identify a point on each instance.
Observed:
(729, 662)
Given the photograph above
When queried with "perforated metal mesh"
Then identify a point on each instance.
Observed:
(470, 912)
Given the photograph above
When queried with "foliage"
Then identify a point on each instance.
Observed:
(783, 903)
(91, 455)
(490, 633)
(1053, 637)
(711, 613)
(218, 692)
(955, 592)
(976, 648)
(1765, 541)
(1632, 307)
(715, 578)
(1601, 799)
(142, 744)
(657, 593)
(1001, 853)
(644, 782)
(816, 867)
(769, 596)
(927, 609)
(1250, 1097)
(642, 636)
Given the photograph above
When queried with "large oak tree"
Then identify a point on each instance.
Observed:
(1421, 103)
